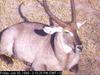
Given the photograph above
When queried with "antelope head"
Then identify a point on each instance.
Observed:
(69, 27)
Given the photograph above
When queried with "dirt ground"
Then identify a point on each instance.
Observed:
(88, 10)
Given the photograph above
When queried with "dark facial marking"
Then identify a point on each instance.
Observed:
(52, 40)
(77, 39)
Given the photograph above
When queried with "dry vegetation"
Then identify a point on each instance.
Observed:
(88, 10)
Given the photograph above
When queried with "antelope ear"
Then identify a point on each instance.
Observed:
(79, 24)
(52, 29)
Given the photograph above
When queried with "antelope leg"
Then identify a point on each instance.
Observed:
(6, 59)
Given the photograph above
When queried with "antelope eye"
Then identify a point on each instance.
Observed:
(66, 32)
(70, 33)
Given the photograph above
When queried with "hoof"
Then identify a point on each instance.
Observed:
(8, 60)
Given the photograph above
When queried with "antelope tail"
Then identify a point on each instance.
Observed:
(21, 14)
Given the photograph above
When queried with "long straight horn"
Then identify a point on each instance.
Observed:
(73, 11)
(47, 10)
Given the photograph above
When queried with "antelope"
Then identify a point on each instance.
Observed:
(43, 47)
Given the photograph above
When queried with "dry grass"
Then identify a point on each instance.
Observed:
(89, 33)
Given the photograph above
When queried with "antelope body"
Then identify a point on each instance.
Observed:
(30, 42)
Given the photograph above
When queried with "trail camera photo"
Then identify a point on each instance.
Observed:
(50, 35)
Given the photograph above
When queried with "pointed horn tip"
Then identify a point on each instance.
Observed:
(21, 3)
(37, 0)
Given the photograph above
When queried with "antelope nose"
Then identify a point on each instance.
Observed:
(79, 48)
